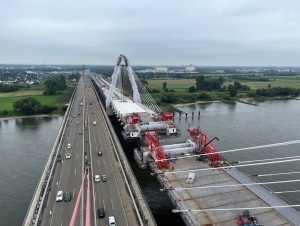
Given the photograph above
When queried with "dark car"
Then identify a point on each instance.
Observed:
(80, 132)
(68, 196)
(58, 158)
(103, 178)
(101, 213)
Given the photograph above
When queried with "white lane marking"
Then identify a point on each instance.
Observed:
(75, 171)
(103, 204)
(112, 204)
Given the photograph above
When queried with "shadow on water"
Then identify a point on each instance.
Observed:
(159, 202)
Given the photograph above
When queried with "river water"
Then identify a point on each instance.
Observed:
(26, 144)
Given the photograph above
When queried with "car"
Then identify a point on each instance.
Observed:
(97, 178)
(111, 221)
(101, 212)
(68, 196)
(69, 146)
(94, 122)
(58, 158)
(103, 178)
(68, 156)
(100, 153)
(59, 196)
(81, 104)
(80, 132)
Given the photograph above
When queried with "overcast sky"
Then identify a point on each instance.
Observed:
(151, 32)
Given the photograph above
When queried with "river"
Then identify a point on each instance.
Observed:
(26, 144)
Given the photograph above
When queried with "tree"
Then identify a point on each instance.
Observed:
(164, 85)
(169, 98)
(230, 87)
(5, 112)
(204, 83)
(233, 92)
(55, 84)
(192, 89)
(237, 85)
(28, 106)
(144, 81)
(200, 82)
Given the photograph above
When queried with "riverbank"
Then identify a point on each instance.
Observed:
(197, 102)
(29, 116)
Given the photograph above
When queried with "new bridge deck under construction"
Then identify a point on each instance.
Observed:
(222, 197)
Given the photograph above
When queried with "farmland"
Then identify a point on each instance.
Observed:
(36, 91)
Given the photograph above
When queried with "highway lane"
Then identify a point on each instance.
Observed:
(107, 194)
(68, 174)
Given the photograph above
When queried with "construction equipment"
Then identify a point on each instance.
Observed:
(156, 151)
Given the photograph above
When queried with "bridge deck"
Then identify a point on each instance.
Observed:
(222, 197)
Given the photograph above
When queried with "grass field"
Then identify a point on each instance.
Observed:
(36, 91)
(184, 84)
(180, 86)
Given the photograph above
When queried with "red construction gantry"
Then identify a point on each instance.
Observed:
(201, 139)
(134, 118)
(156, 149)
(165, 116)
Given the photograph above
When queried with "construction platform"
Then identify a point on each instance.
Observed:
(221, 197)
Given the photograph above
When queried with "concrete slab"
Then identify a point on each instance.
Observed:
(197, 196)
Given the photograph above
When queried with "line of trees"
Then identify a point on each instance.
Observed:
(4, 88)
(55, 84)
(277, 91)
(31, 106)
(207, 83)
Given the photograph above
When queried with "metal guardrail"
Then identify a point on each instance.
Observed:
(37, 203)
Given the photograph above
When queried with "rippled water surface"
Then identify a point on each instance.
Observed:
(25, 145)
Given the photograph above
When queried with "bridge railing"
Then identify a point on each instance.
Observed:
(141, 207)
(37, 203)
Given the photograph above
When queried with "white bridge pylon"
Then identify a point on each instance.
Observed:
(123, 62)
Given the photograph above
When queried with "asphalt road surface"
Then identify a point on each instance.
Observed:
(68, 174)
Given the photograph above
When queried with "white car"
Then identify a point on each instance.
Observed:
(69, 146)
(68, 156)
(94, 122)
(59, 196)
(111, 221)
(97, 178)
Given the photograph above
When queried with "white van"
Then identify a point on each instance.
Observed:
(191, 178)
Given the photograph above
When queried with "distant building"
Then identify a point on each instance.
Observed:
(161, 69)
(190, 68)
(220, 71)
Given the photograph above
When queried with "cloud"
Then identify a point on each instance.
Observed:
(169, 32)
